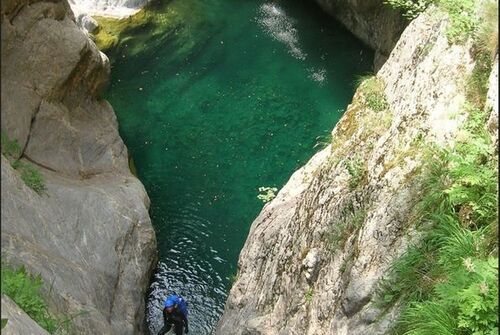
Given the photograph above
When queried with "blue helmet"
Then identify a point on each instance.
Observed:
(171, 301)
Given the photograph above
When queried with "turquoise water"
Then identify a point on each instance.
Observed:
(209, 120)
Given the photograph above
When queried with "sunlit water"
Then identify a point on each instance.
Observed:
(260, 85)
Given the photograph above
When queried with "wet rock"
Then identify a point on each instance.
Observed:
(87, 23)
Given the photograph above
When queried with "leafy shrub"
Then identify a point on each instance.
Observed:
(409, 8)
(462, 13)
(463, 19)
(448, 281)
(478, 303)
(267, 193)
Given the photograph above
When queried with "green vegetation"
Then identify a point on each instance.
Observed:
(29, 174)
(24, 290)
(409, 8)
(10, 148)
(267, 193)
(158, 22)
(486, 36)
(448, 281)
(233, 278)
(372, 88)
(485, 46)
(357, 170)
(4, 323)
(350, 220)
(309, 294)
(465, 19)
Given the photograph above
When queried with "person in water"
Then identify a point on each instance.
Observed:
(175, 314)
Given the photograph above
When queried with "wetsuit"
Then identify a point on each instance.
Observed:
(176, 319)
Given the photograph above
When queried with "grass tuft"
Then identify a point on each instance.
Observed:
(447, 282)
(24, 290)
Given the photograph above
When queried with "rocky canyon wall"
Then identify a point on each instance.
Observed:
(88, 234)
(315, 254)
(373, 22)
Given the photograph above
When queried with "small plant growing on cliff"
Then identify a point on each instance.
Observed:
(309, 294)
(31, 176)
(409, 8)
(10, 148)
(356, 168)
(24, 289)
(342, 228)
(372, 89)
(267, 193)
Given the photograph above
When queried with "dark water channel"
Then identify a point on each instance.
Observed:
(237, 103)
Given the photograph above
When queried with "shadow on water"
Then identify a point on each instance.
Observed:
(234, 101)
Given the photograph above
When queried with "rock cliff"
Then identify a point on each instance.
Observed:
(374, 23)
(315, 254)
(88, 234)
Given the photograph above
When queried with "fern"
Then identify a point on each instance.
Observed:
(447, 281)
(24, 290)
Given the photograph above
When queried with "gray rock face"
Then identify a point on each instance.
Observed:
(374, 23)
(18, 322)
(87, 23)
(492, 102)
(89, 234)
(314, 255)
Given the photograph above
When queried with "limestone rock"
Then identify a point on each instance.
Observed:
(87, 23)
(275, 292)
(492, 102)
(373, 22)
(18, 322)
(89, 234)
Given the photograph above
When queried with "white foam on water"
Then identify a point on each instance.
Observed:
(109, 8)
(278, 25)
(318, 76)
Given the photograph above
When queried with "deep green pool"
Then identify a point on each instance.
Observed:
(209, 118)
